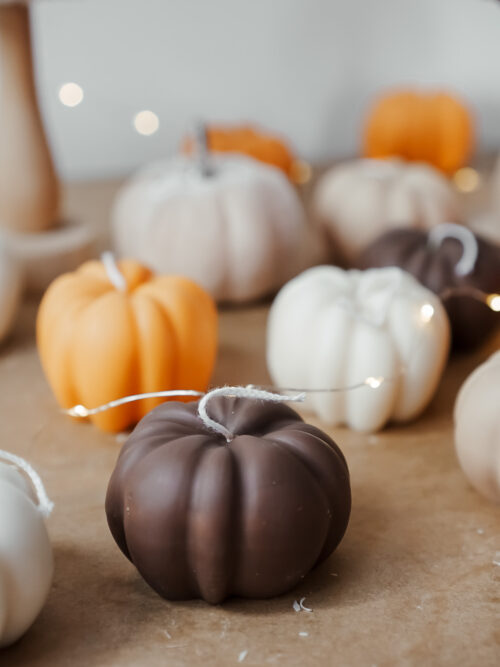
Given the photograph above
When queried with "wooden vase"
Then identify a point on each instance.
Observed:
(29, 189)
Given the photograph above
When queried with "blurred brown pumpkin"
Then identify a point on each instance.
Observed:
(428, 127)
(447, 258)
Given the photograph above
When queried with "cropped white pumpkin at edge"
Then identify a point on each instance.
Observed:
(359, 200)
(331, 328)
(10, 289)
(477, 428)
(240, 232)
(26, 561)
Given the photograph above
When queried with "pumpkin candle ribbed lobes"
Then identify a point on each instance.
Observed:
(98, 343)
(203, 518)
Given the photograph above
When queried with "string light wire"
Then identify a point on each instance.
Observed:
(492, 300)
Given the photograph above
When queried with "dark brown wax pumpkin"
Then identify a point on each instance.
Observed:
(447, 257)
(201, 517)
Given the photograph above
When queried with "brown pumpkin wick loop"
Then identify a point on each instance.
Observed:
(447, 230)
(239, 392)
(202, 150)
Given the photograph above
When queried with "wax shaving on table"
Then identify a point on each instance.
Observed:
(242, 655)
(299, 606)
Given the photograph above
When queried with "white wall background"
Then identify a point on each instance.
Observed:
(304, 67)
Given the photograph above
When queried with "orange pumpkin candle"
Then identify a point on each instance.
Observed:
(110, 330)
(426, 127)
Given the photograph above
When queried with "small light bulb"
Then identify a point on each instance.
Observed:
(493, 301)
(467, 179)
(427, 312)
(71, 94)
(78, 411)
(374, 383)
(146, 123)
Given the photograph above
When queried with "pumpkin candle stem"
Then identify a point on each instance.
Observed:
(202, 150)
(243, 392)
(445, 230)
(115, 276)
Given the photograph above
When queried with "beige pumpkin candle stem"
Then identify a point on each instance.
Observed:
(202, 150)
(29, 190)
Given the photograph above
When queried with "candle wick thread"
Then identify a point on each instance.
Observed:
(116, 277)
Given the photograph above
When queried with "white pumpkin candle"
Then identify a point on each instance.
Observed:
(10, 289)
(477, 428)
(380, 329)
(358, 201)
(26, 563)
(239, 230)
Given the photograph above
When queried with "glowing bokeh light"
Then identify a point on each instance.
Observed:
(427, 312)
(71, 94)
(146, 123)
(493, 302)
(467, 180)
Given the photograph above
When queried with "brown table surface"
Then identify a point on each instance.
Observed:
(413, 583)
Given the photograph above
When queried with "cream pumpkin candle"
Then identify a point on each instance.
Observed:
(357, 201)
(234, 225)
(378, 332)
(477, 428)
(111, 329)
(26, 562)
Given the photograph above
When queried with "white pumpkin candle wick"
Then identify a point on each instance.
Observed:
(115, 276)
(446, 230)
(45, 505)
(239, 392)
(202, 150)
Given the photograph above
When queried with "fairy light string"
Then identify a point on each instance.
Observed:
(281, 394)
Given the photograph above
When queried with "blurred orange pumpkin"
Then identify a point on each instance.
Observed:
(256, 143)
(99, 340)
(427, 127)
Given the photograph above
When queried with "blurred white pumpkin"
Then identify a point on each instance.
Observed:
(239, 231)
(26, 563)
(10, 289)
(379, 329)
(357, 201)
(477, 428)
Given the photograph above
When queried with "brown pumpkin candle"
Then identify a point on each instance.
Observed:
(446, 260)
(204, 514)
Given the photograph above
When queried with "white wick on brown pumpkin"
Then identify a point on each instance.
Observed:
(449, 230)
